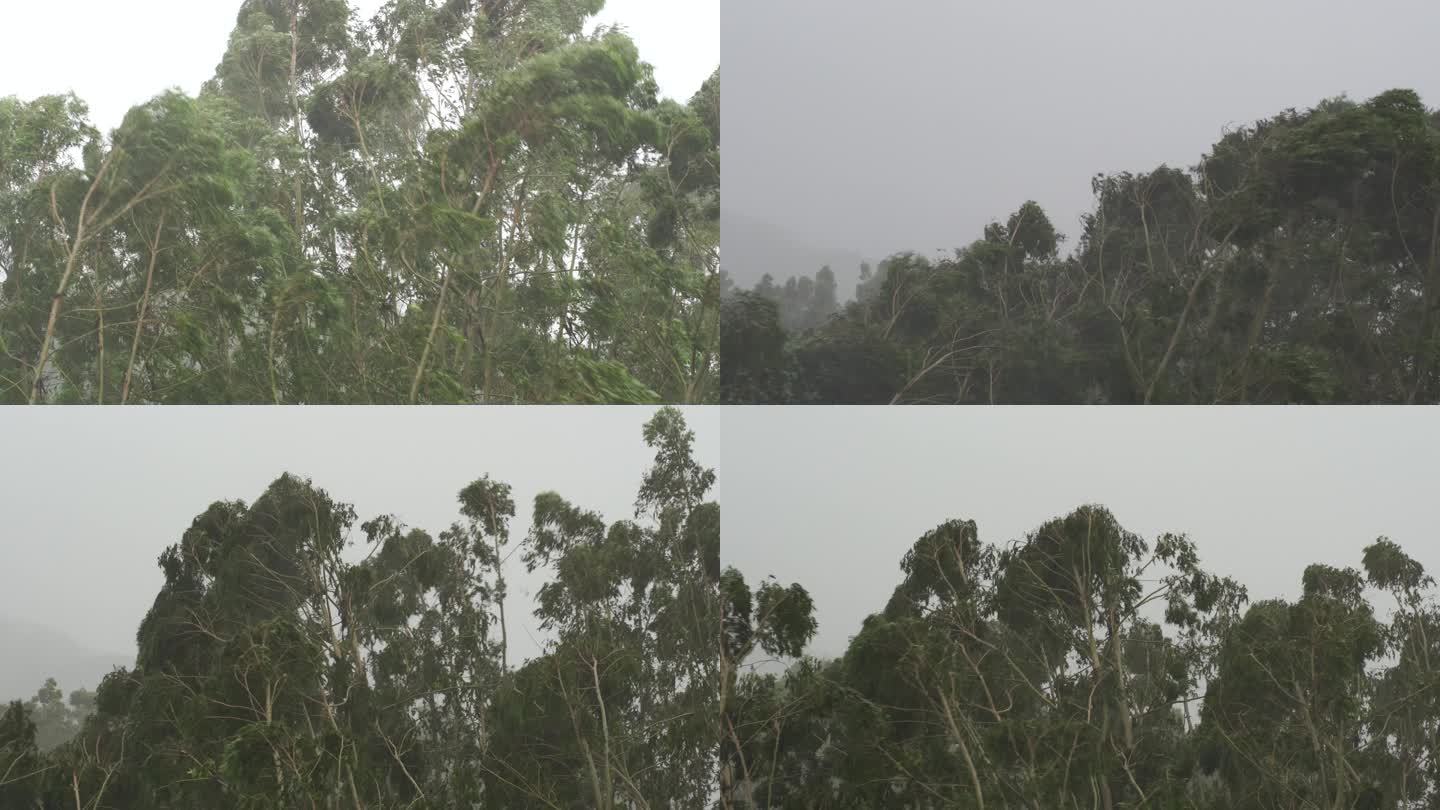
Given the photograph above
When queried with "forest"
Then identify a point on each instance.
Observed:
(457, 201)
(1297, 262)
(1084, 667)
(285, 664)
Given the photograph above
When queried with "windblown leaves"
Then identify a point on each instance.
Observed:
(285, 663)
(1040, 673)
(1297, 262)
(455, 202)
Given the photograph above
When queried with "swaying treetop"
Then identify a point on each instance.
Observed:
(1297, 262)
(451, 202)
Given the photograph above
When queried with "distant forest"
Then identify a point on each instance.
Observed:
(1084, 667)
(280, 669)
(1297, 262)
(456, 201)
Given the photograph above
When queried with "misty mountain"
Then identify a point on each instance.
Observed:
(753, 248)
(29, 654)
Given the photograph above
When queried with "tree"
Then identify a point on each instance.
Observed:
(285, 663)
(778, 621)
(1296, 262)
(623, 703)
(753, 344)
(1066, 668)
(451, 202)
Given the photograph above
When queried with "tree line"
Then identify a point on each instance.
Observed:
(1079, 666)
(280, 668)
(456, 201)
(1297, 262)
(1082, 666)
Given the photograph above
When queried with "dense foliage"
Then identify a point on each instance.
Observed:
(1297, 262)
(457, 201)
(1085, 667)
(281, 667)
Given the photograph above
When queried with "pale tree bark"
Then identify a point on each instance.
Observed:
(70, 261)
(144, 303)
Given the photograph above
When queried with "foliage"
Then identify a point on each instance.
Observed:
(1297, 262)
(1085, 666)
(285, 663)
(451, 202)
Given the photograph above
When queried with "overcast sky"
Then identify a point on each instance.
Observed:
(911, 124)
(833, 497)
(115, 55)
(91, 496)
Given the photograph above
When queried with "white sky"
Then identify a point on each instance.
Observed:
(908, 125)
(115, 54)
(833, 497)
(90, 496)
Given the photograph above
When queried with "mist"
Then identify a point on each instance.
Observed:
(832, 498)
(861, 131)
(102, 493)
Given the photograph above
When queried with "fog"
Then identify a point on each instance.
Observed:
(91, 496)
(870, 129)
(833, 497)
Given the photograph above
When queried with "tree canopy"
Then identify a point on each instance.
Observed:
(1084, 666)
(1297, 262)
(456, 201)
(286, 663)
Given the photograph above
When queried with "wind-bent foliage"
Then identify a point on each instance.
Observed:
(285, 664)
(458, 201)
(1085, 667)
(1297, 262)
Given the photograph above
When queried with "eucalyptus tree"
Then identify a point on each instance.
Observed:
(1404, 717)
(1296, 262)
(451, 202)
(1025, 675)
(1287, 704)
(265, 675)
(1032, 673)
(620, 711)
(1084, 666)
(770, 620)
(289, 660)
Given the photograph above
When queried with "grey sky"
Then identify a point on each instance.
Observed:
(91, 496)
(909, 125)
(118, 54)
(833, 497)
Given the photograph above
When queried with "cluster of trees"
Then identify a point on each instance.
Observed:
(56, 720)
(801, 304)
(1297, 262)
(1085, 667)
(457, 201)
(278, 668)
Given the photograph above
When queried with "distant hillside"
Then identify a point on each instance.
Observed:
(751, 248)
(29, 654)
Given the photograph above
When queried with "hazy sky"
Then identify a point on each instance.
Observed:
(118, 54)
(91, 496)
(833, 497)
(909, 125)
